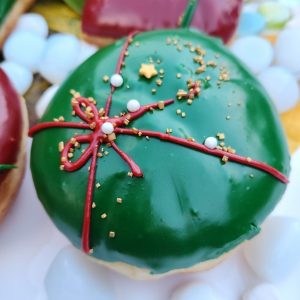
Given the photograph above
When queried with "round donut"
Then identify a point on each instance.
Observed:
(13, 132)
(105, 21)
(161, 153)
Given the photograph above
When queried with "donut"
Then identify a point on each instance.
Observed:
(160, 154)
(13, 133)
(104, 21)
(10, 11)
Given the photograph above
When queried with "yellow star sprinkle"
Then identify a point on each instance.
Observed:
(148, 70)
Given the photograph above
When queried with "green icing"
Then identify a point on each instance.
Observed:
(189, 207)
(76, 5)
(5, 6)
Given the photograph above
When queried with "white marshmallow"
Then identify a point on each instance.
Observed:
(262, 292)
(275, 252)
(25, 48)
(20, 77)
(254, 51)
(282, 87)
(45, 100)
(194, 290)
(287, 50)
(59, 57)
(34, 23)
(73, 276)
(211, 142)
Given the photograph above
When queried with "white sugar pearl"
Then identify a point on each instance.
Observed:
(116, 80)
(287, 50)
(20, 77)
(282, 87)
(107, 128)
(45, 99)
(254, 51)
(262, 292)
(194, 290)
(133, 105)
(73, 276)
(275, 252)
(86, 50)
(211, 142)
(34, 23)
(59, 57)
(24, 48)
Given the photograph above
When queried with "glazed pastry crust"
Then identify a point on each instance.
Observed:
(144, 274)
(10, 21)
(10, 186)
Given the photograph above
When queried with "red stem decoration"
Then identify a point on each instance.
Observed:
(93, 122)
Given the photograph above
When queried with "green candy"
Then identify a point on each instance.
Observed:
(189, 207)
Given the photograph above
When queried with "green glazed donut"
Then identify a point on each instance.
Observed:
(148, 193)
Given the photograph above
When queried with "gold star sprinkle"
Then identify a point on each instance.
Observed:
(148, 70)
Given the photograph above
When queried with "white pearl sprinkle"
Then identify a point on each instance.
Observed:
(211, 142)
(133, 105)
(107, 128)
(116, 80)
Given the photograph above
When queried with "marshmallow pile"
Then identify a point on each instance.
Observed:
(268, 43)
(30, 50)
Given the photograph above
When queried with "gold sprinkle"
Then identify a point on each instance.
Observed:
(137, 44)
(169, 130)
(93, 125)
(190, 101)
(228, 117)
(99, 155)
(93, 205)
(112, 234)
(161, 104)
(183, 115)
(153, 91)
(147, 138)
(61, 167)
(55, 120)
(61, 146)
(221, 136)
(249, 159)
(212, 64)
(130, 174)
(70, 155)
(251, 176)
(63, 159)
(106, 153)
(201, 69)
(126, 122)
(178, 75)
(159, 82)
(169, 41)
(73, 140)
(98, 185)
(91, 251)
(103, 216)
(119, 200)
(225, 159)
(178, 111)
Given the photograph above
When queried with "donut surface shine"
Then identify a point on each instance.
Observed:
(179, 206)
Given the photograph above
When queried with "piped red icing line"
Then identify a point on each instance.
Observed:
(118, 69)
(215, 152)
(96, 123)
